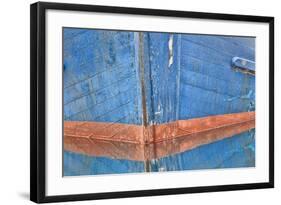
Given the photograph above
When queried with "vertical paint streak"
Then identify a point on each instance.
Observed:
(138, 80)
(152, 109)
(149, 81)
(178, 76)
(142, 81)
(143, 94)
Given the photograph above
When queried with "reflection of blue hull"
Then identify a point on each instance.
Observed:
(238, 151)
(154, 78)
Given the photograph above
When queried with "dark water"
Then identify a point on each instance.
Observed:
(235, 152)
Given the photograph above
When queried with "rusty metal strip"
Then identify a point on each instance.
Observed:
(91, 138)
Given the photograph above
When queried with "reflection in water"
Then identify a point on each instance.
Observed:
(237, 151)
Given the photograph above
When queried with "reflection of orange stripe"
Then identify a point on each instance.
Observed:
(126, 141)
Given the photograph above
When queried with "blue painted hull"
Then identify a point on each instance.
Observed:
(154, 78)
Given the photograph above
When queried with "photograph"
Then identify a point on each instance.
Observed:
(134, 102)
(147, 102)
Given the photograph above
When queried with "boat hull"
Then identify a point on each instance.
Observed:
(148, 101)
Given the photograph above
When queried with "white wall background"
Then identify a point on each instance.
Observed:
(14, 100)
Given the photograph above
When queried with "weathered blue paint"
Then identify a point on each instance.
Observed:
(208, 80)
(153, 78)
(191, 78)
(164, 77)
(100, 78)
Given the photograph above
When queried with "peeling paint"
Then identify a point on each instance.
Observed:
(160, 111)
(171, 54)
(247, 96)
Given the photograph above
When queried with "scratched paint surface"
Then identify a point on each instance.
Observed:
(153, 78)
(100, 76)
(208, 84)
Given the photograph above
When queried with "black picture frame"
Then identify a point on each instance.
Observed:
(38, 101)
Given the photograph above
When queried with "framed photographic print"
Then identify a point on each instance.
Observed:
(129, 102)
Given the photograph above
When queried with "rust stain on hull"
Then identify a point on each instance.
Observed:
(125, 141)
